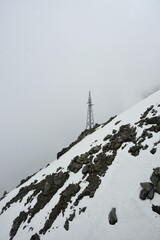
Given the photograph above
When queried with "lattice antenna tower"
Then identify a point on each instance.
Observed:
(90, 119)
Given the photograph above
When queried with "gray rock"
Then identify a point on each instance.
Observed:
(143, 194)
(85, 169)
(158, 187)
(107, 137)
(147, 186)
(112, 217)
(95, 149)
(153, 150)
(151, 194)
(154, 179)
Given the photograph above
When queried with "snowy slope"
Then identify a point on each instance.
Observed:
(73, 196)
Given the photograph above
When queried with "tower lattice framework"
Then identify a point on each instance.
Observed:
(90, 118)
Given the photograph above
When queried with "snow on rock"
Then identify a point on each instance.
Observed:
(105, 185)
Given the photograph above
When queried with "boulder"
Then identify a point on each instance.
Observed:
(143, 194)
(150, 195)
(35, 237)
(147, 186)
(112, 217)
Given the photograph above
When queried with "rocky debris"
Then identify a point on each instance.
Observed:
(135, 150)
(82, 210)
(35, 237)
(16, 224)
(149, 188)
(80, 137)
(60, 207)
(45, 191)
(94, 149)
(113, 217)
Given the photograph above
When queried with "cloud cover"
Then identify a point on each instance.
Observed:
(52, 54)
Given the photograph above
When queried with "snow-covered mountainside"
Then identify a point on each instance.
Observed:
(104, 186)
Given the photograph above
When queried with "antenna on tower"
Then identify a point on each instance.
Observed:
(90, 119)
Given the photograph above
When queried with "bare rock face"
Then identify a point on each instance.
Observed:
(113, 217)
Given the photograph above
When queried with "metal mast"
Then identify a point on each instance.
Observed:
(90, 119)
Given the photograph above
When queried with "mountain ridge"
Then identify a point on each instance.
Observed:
(102, 172)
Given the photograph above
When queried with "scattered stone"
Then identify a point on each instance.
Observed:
(82, 210)
(153, 150)
(112, 217)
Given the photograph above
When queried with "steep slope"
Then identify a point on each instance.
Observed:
(99, 189)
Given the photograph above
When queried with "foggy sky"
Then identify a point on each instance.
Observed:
(51, 54)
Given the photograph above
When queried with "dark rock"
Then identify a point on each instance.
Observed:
(35, 237)
(82, 210)
(94, 149)
(156, 209)
(66, 225)
(153, 150)
(72, 216)
(151, 194)
(143, 194)
(107, 137)
(154, 179)
(134, 150)
(85, 170)
(145, 147)
(158, 188)
(16, 224)
(112, 217)
(114, 131)
(157, 171)
(117, 122)
(74, 166)
(147, 186)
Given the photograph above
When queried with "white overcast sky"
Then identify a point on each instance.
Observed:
(52, 52)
